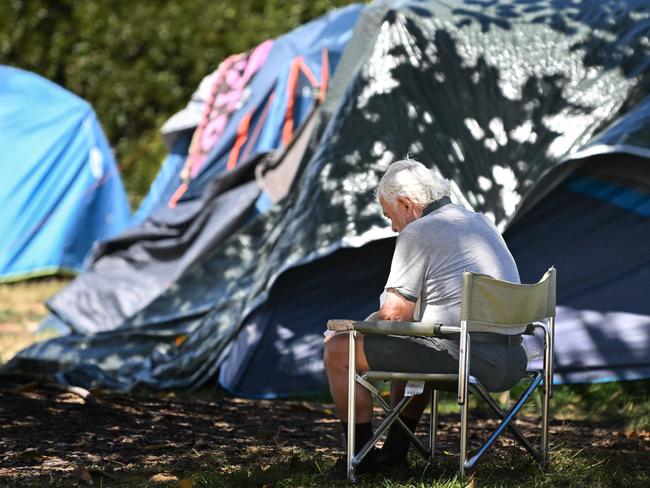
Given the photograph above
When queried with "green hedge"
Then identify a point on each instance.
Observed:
(138, 62)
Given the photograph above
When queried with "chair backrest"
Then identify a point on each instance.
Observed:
(491, 305)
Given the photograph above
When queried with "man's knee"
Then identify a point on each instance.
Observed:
(335, 352)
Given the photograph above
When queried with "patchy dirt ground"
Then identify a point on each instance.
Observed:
(48, 434)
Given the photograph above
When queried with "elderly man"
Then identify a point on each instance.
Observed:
(437, 241)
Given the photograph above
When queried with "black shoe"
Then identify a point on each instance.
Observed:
(392, 460)
(366, 467)
(396, 445)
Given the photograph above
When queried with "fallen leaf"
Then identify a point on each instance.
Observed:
(184, 483)
(309, 407)
(29, 454)
(83, 474)
(163, 478)
(156, 446)
(222, 425)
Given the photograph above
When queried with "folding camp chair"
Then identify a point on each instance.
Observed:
(488, 306)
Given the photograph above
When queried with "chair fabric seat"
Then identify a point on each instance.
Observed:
(441, 382)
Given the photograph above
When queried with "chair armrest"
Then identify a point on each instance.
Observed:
(530, 328)
(392, 327)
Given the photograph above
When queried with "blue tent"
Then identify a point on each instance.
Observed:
(540, 117)
(165, 239)
(311, 52)
(61, 189)
(594, 227)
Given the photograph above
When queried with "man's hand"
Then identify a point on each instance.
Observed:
(396, 307)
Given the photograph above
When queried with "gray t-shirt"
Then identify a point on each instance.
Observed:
(433, 251)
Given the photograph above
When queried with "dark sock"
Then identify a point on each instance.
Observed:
(397, 441)
(362, 434)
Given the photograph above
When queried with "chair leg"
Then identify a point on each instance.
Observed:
(463, 393)
(433, 425)
(544, 447)
(386, 407)
(506, 421)
(351, 404)
(548, 386)
(463, 439)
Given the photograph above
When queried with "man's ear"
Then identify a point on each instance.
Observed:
(405, 202)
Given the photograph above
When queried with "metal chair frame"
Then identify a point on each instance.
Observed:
(465, 382)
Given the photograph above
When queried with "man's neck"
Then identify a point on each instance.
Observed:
(435, 205)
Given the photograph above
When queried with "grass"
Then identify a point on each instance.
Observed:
(21, 310)
(621, 409)
(569, 467)
(621, 403)
(625, 405)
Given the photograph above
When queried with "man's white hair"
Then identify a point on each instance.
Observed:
(410, 178)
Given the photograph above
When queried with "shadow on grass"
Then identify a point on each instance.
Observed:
(570, 466)
(308, 470)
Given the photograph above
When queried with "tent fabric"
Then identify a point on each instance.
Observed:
(276, 175)
(264, 102)
(275, 334)
(228, 92)
(129, 272)
(330, 32)
(501, 98)
(167, 180)
(145, 260)
(61, 190)
(217, 96)
(595, 227)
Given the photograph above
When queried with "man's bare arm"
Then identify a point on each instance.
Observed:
(396, 307)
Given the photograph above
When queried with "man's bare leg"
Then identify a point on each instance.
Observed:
(335, 358)
(336, 365)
